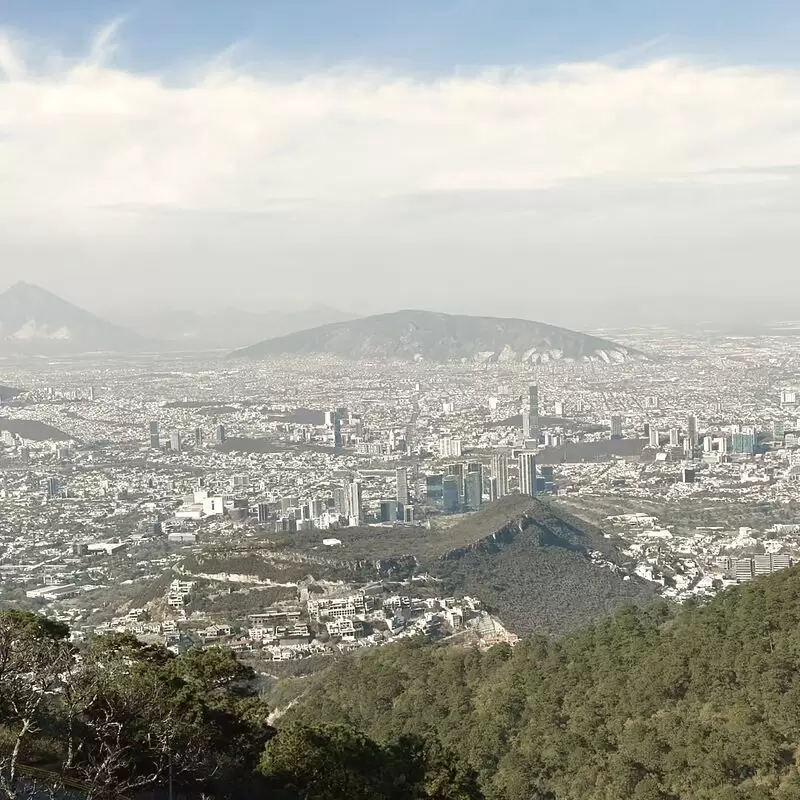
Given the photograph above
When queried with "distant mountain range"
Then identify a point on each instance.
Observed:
(227, 327)
(34, 321)
(410, 335)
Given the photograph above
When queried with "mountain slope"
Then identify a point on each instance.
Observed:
(407, 335)
(36, 322)
(228, 327)
(540, 569)
(701, 702)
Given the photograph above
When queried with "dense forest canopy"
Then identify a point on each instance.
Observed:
(701, 703)
(653, 703)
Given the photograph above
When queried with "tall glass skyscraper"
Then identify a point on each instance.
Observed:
(530, 414)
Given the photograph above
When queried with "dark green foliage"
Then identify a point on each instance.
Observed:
(537, 573)
(703, 703)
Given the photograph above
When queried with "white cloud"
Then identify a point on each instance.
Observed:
(81, 138)
(91, 135)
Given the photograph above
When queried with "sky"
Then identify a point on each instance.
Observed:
(580, 162)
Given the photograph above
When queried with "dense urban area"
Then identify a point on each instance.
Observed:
(294, 511)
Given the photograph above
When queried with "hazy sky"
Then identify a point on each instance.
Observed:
(573, 161)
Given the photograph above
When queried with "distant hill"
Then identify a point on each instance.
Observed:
(409, 335)
(34, 321)
(226, 328)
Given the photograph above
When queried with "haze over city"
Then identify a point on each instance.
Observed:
(399, 400)
(552, 161)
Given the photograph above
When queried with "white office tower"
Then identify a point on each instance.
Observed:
(654, 442)
(354, 502)
(175, 442)
(788, 397)
(708, 444)
(559, 408)
(674, 437)
(500, 471)
(527, 474)
(616, 427)
(449, 447)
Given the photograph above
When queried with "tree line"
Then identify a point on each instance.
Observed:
(120, 718)
(700, 702)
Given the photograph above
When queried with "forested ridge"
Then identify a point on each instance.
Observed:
(702, 703)
(653, 703)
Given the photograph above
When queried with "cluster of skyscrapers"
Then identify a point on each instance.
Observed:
(175, 441)
(464, 486)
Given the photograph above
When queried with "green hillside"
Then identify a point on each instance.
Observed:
(654, 703)
(698, 704)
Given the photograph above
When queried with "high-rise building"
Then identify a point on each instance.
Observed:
(402, 486)
(53, 488)
(674, 437)
(744, 442)
(458, 471)
(493, 491)
(221, 434)
(434, 489)
(451, 496)
(530, 415)
(616, 427)
(155, 438)
(388, 510)
(500, 472)
(449, 447)
(654, 439)
(527, 473)
(473, 490)
(354, 501)
(688, 475)
(559, 407)
(175, 442)
(198, 437)
(691, 430)
(340, 501)
(337, 430)
(263, 512)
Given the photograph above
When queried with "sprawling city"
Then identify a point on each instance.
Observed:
(399, 401)
(296, 508)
